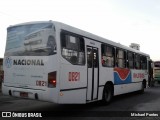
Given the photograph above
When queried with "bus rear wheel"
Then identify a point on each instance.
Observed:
(107, 94)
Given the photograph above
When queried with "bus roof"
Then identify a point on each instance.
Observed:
(84, 34)
(97, 38)
(28, 23)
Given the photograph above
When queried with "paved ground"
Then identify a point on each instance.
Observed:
(149, 102)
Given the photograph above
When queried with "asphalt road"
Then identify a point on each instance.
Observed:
(121, 107)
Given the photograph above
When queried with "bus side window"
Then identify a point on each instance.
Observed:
(73, 49)
(107, 53)
(130, 57)
(143, 62)
(137, 61)
(121, 58)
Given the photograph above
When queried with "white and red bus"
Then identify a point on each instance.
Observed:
(52, 61)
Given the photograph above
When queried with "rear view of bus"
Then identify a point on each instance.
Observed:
(30, 52)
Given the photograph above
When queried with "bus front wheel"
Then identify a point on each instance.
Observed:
(143, 86)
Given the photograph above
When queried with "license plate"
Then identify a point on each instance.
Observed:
(23, 94)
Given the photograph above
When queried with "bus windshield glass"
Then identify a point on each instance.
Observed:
(31, 40)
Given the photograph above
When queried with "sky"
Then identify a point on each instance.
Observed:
(122, 21)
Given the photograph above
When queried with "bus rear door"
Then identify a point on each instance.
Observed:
(92, 73)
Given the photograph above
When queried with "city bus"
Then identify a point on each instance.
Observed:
(156, 71)
(54, 62)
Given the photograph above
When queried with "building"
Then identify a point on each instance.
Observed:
(135, 46)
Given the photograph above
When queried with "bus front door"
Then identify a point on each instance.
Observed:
(92, 73)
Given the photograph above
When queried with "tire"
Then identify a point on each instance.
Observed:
(107, 94)
(152, 82)
(142, 89)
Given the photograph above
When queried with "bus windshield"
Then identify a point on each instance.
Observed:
(31, 40)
